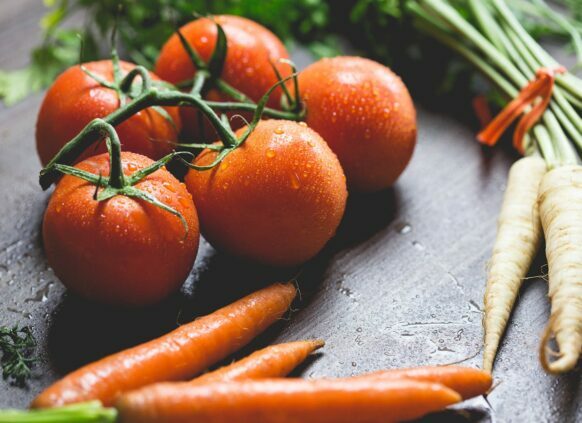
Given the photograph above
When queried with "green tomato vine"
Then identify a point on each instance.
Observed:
(137, 91)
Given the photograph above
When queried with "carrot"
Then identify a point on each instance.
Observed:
(272, 361)
(285, 401)
(518, 238)
(561, 213)
(178, 355)
(466, 381)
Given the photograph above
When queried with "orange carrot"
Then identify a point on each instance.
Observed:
(179, 355)
(273, 361)
(466, 381)
(358, 400)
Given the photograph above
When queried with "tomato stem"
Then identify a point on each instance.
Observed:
(116, 177)
(154, 94)
(198, 82)
(146, 81)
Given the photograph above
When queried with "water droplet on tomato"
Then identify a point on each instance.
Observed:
(270, 154)
(59, 208)
(279, 131)
(303, 124)
(295, 183)
(184, 202)
(223, 165)
(311, 143)
(169, 186)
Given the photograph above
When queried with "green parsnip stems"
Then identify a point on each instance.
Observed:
(515, 49)
(568, 81)
(563, 110)
(505, 53)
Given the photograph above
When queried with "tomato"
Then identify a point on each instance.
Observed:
(75, 99)
(277, 199)
(121, 251)
(365, 113)
(246, 67)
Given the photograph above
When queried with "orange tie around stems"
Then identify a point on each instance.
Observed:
(541, 87)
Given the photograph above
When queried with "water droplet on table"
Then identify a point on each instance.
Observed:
(403, 228)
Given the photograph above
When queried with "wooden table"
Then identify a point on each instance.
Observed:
(401, 285)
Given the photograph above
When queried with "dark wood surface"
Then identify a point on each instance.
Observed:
(401, 285)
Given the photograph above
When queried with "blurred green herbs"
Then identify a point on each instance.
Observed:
(377, 28)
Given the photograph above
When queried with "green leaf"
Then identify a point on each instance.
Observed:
(53, 18)
(17, 346)
(218, 57)
(15, 85)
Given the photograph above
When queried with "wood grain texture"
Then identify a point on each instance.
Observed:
(401, 285)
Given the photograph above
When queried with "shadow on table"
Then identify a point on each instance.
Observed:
(465, 415)
(83, 331)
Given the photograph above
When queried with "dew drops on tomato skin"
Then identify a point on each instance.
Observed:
(278, 131)
(303, 124)
(168, 186)
(184, 202)
(295, 182)
(270, 153)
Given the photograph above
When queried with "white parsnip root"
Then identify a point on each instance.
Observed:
(560, 202)
(518, 239)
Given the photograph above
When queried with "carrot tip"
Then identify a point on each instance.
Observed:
(317, 344)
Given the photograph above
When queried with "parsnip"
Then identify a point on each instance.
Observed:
(560, 202)
(518, 239)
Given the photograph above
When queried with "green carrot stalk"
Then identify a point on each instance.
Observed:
(87, 412)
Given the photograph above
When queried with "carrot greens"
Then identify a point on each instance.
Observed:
(17, 345)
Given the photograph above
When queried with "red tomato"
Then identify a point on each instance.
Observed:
(277, 199)
(75, 99)
(123, 250)
(365, 113)
(246, 68)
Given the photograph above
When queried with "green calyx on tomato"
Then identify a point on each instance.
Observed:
(117, 183)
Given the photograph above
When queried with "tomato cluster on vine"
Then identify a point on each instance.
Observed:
(271, 156)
